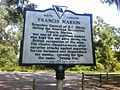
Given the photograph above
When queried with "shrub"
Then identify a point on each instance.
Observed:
(99, 67)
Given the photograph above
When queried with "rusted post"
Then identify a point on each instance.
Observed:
(100, 80)
(107, 76)
(33, 84)
(82, 81)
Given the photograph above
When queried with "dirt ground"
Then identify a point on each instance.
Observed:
(47, 81)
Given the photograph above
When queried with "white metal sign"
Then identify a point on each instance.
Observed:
(57, 36)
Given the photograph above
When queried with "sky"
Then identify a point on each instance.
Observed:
(95, 7)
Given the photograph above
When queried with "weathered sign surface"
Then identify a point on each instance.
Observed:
(57, 36)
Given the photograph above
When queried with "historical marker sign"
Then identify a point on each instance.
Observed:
(57, 36)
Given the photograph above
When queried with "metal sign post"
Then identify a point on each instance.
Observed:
(59, 84)
(60, 76)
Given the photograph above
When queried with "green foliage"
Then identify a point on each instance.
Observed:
(99, 67)
(12, 16)
(7, 57)
(117, 54)
(104, 40)
(79, 68)
(118, 66)
(9, 38)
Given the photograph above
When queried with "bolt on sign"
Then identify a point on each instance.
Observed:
(57, 36)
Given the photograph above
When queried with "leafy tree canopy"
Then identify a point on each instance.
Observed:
(117, 2)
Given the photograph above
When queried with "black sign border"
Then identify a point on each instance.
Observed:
(50, 64)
